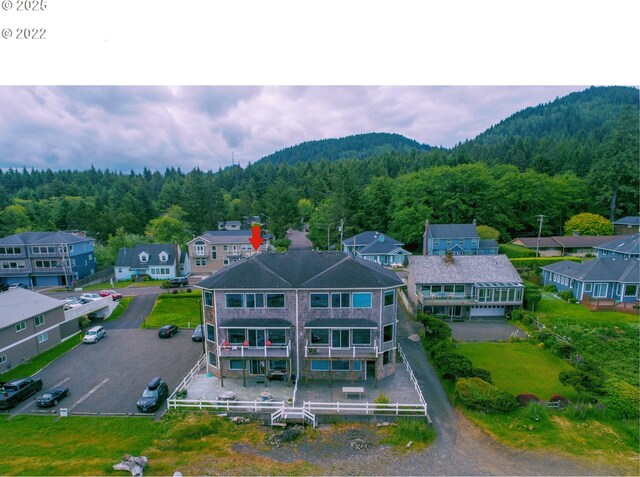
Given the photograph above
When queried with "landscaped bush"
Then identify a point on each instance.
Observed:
(166, 284)
(453, 365)
(525, 399)
(550, 288)
(537, 262)
(532, 296)
(566, 295)
(582, 381)
(434, 328)
(481, 373)
(175, 292)
(439, 347)
(559, 398)
(515, 251)
(563, 349)
(479, 395)
(537, 412)
(622, 399)
(189, 290)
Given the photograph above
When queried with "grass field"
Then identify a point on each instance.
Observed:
(195, 444)
(38, 362)
(181, 309)
(121, 308)
(520, 368)
(551, 308)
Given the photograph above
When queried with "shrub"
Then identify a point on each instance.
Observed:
(550, 288)
(525, 399)
(566, 295)
(440, 347)
(189, 290)
(537, 412)
(515, 251)
(479, 395)
(481, 373)
(165, 284)
(563, 349)
(381, 399)
(622, 399)
(175, 292)
(559, 398)
(434, 328)
(582, 381)
(532, 296)
(584, 410)
(453, 365)
(84, 321)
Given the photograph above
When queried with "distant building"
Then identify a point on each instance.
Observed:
(627, 225)
(459, 239)
(36, 259)
(376, 247)
(159, 261)
(230, 225)
(564, 245)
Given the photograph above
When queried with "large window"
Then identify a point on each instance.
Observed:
(319, 300)
(387, 333)
(10, 250)
(600, 290)
(389, 297)
(214, 252)
(208, 298)
(340, 338)
(200, 262)
(254, 300)
(340, 300)
(361, 300)
(43, 249)
(237, 336)
(361, 337)
(46, 263)
(630, 290)
(340, 365)
(277, 337)
(234, 300)
(320, 337)
(21, 326)
(275, 300)
(39, 320)
(237, 364)
(211, 332)
(319, 365)
(43, 337)
(13, 265)
(200, 248)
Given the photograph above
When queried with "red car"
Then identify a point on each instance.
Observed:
(112, 293)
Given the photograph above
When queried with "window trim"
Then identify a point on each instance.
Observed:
(21, 326)
(40, 319)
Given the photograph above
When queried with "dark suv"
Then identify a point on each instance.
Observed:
(178, 282)
(152, 398)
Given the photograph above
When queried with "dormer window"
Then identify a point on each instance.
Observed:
(144, 257)
(164, 257)
(199, 246)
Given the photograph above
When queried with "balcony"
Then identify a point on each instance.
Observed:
(279, 351)
(443, 298)
(326, 351)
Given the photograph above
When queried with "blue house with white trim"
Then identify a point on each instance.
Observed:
(36, 259)
(459, 239)
(623, 247)
(376, 247)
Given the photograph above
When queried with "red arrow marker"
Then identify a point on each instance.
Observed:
(256, 238)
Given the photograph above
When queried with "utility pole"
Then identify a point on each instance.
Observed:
(341, 230)
(328, 237)
(540, 219)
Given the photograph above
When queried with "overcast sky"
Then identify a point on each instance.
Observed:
(123, 128)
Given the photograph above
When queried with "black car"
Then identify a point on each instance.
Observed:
(167, 331)
(197, 334)
(52, 396)
(152, 398)
(178, 282)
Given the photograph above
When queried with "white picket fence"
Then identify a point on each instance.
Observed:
(187, 379)
(225, 406)
(365, 408)
(414, 381)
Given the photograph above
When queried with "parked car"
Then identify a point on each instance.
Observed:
(197, 334)
(167, 331)
(94, 334)
(52, 396)
(178, 282)
(70, 303)
(17, 285)
(90, 296)
(112, 293)
(153, 396)
(16, 390)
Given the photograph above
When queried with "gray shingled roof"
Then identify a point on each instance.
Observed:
(302, 269)
(19, 304)
(624, 244)
(628, 220)
(487, 243)
(600, 270)
(225, 236)
(42, 238)
(130, 257)
(453, 231)
(567, 241)
(463, 269)
(368, 237)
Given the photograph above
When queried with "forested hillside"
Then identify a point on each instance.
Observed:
(359, 146)
(392, 191)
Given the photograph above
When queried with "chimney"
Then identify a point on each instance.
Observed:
(448, 256)
(176, 253)
(425, 239)
(474, 222)
(381, 238)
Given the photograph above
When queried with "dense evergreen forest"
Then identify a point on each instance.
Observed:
(576, 154)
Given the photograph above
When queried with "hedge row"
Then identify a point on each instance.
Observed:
(515, 251)
(537, 262)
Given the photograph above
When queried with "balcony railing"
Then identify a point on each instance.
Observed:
(228, 350)
(447, 298)
(326, 351)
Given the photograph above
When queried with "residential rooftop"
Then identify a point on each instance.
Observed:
(463, 269)
(18, 304)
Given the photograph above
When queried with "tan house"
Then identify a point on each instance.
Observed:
(564, 245)
(215, 249)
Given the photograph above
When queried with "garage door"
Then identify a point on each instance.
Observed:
(487, 311)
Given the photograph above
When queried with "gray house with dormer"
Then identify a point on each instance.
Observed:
(376, 247)
(315, 315)
(159, 261)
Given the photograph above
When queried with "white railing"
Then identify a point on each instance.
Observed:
(285, 413)
(187, 379)
(87, 308)
(228, 406)
(366, 408)
(250, 351)
(414, 381)
(330, 352)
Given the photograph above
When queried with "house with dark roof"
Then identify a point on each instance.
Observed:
(310, 315)
(230, 225)
(459, 239)
(628, 225)
(36, 259)
(626, 246)
(215, 249)
(616, 279)
(564, 245)
(159, 261)
(30, 323)
(376, 247)
(464, 286)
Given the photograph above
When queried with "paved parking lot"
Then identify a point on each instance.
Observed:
(108, 377)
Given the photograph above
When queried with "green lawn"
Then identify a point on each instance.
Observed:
(38, 362)
(181, 309)
(551, 308)
(121, 308)
(520, 368)
(123, 284)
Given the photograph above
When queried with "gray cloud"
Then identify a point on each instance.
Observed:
(157, 127)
